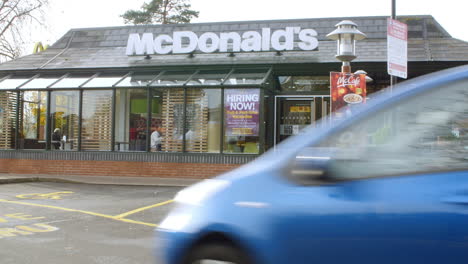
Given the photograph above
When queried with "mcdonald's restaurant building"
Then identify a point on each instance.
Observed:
(217, 94)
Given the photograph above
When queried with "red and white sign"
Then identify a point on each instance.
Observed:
(397, 48)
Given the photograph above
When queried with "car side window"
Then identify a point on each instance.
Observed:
(426, 132)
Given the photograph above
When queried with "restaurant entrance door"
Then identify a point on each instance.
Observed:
(294, 113)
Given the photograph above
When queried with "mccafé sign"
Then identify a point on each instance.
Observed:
(187, 41)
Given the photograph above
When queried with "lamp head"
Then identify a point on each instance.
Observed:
(346, 34)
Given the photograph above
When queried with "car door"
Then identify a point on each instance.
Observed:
(396, 190)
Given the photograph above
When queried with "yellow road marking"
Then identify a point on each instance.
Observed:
(39, 196)
(79, 211)
(120, 216)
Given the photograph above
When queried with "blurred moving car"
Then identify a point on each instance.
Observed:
(387, 185)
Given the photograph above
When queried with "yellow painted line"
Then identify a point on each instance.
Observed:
(79, 211)
(37, 196)
(120, 216)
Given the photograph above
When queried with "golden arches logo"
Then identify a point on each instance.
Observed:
(38, 47)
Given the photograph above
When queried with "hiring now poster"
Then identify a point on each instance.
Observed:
(242, 112)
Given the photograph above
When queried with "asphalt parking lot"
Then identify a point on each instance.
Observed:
(80, 223)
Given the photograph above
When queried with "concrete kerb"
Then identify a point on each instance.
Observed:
(104, 180)
(5, 180)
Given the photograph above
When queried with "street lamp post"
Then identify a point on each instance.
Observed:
(346, 34)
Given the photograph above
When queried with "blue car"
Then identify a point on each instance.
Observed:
(389, 184)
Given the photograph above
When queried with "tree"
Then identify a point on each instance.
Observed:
(15, 17)
(161, 12)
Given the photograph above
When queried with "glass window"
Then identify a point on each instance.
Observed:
(104, 81)
(131, 120)
(203, 120)
(12, 83)
(72, 81)
(305, 83)
(295, 114)
(64, 115)
(7, 119)
(246, 76)
(241, 120)
(96, 127)
(172, 78)
(208, 77)
(138, 79)
(171, 117)
(40, 82)
(33, 120)
(428, 132)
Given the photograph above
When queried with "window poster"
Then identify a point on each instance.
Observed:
(242, 112)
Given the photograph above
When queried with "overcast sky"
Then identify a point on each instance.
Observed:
(66, 14)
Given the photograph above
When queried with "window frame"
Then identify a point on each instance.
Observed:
(86, 77)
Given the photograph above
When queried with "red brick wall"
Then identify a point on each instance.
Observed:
(114, 168)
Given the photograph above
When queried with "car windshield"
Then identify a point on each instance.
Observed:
(426, 132)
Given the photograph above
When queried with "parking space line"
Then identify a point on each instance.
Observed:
(79, 211)
(120, 216)
(44, 196)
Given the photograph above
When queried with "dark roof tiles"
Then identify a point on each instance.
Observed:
(105, 47)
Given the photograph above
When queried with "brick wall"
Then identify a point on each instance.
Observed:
(114, 168)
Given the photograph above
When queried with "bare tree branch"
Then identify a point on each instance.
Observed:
(15, 16)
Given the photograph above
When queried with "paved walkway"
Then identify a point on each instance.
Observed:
(114, 180)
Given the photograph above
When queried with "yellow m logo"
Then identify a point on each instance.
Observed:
(38, 47)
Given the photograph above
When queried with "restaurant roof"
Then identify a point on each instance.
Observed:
(105, 47)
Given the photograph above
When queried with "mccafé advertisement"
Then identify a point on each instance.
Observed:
(242, 111)
(347, 90)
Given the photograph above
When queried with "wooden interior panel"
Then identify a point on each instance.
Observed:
(173, 120)
(197, 121)
(97, 130)
(7, 119)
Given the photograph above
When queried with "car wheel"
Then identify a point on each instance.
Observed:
(216, 254)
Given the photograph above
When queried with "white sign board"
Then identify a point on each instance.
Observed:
(208, 42)
(397, 48)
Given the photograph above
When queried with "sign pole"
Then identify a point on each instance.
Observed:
(393, 79)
